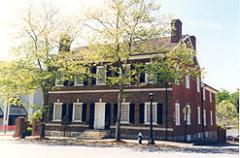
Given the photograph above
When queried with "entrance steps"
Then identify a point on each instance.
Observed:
(94, 134)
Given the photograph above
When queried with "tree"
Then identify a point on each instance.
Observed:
(226, 113)
(173, 66)
(40, 33)
(223, 95)
(119, 31)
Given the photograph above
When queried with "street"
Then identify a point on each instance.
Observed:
(12, 149)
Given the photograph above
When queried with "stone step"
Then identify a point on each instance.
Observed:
(93, 134)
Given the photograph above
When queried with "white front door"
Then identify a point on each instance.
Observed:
(99, 116)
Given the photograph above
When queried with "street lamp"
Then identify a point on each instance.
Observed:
(151, 97)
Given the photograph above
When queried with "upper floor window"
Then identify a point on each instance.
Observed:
(59, 79)
(204, 94)
(187, 114)
(77, 112)
(210, 96)
(147, 112)
(125, 112)
(187, 81)
(78, 80)
(126, 73)
(211, 118)
(101, 75)
(198, 84)
(57, 111)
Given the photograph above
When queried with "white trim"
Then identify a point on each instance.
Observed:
(105, 72)
(211, 118)
(57, 104)
(199, 114)
(210, 96)
(145, 112)
(111, 90)
(204, 117)
(144, 128)
(77, 84)
(73, 116)
(210, 89)
(187, 82)
(198, 84)
(177, 113)
(204, 94)
(71, 125)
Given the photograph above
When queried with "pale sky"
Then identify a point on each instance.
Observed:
(215, 23)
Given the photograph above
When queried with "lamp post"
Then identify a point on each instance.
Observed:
(151, 140)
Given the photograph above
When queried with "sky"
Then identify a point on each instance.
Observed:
(215, 23)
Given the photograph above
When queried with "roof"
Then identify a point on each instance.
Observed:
(209, 88)
(17, 110)
(158, 44)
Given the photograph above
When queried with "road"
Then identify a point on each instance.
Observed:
(12, 149)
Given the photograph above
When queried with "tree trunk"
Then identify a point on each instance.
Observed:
(44, 113)
(166, 102)
(117, 132)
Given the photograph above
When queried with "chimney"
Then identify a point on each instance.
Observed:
(176, 30)
(64, 43)
(193, 41)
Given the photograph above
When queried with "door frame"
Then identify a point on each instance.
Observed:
(99, 115)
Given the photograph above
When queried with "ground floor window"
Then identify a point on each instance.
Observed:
(177, 111)
(57, 112)
(125, 113)
(147, 112)
(187, 114)
(77, 112)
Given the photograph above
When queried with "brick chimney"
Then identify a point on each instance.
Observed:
(193, 41)
(64, 43)
(176, 30)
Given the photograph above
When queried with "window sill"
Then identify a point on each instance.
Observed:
(148, 123)
(125, 122)
(56, 120)
(77, 121)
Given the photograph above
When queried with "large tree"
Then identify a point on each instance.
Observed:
(171, 68)
(42, 34)
(119, 31)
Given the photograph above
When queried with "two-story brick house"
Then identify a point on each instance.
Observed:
(93, 104)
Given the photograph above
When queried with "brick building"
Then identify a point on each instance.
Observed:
(93, 104)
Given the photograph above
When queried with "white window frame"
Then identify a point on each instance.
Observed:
(127, 104)
(198, 84)
(199, 115)
(57, 104)
(187, 81)
(210, 96)
(204, 94)
(128, 67)
(73, 115)
(177, 113)
(145, 112)
(204, 117)
(75, 82)
(211, 118)
(105, 71)
(147, 75)
(188, 116)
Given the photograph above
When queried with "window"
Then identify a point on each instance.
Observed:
(101, 75)
(187, 114)
(199, 115)
(187, 81)
(59, 79)
(199, 135)
(125, 113)
(177, 71)
(177, 110)
(206, 134)
(150, 78)
(78, 80)
(127, 73)
(211, 118)
(147, 112)
(210, 96)
(204, 117)
(198, 84)
(188, 137)
(204, 94)
(57, 112)
(77, 112)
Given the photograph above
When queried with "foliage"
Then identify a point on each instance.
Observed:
(226, 113)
